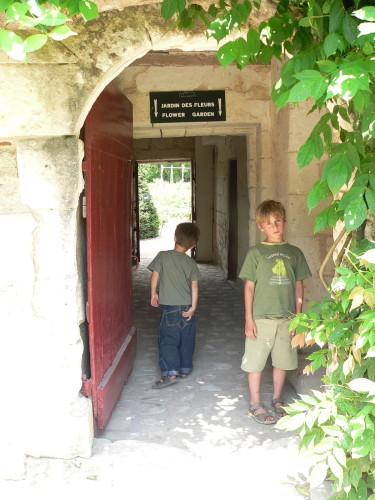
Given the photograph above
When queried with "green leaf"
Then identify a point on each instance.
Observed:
(327, 66)
(335, 467)
(253, 41)
(366, 29)
(227, 53)
(351, 195)
(312, 147)
(365, 13)
(265, 54)
(332, 43)
(89, 10)
(61, 33)
(12, 45)
(370, 199)
(35, 42)
(305, 22)
(349, 29)
(347, 89)
(52, 18)
(359, 102)
(355, 473)
(72, 6)
(340, 456)
(318, 474)
(4, 4)
(218, 29)
(311, 84)
(291, 423)
(280, 96)
(368, 125)
(16, 11)
(321, 221)
(319, 192)
(336, 16)
(171, 7)
(336, 172)
(355, 214)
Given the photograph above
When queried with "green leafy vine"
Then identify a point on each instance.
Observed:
(42, 20)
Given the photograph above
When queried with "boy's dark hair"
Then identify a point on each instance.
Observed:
(186, 234)
(268, 208)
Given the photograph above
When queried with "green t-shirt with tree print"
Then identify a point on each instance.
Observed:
(274, 268)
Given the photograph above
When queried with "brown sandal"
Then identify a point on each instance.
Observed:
(261, 415)
(164, 382)
(277, 406)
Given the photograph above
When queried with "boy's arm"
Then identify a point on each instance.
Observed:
(194, 301)
(154, 284)
(299, 292)
(250, 326)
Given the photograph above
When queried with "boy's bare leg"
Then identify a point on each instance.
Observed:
(254, 380)
(256, 407)
(278, 382)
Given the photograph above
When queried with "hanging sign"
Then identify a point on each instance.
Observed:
(187, 106)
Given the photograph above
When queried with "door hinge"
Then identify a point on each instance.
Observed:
(87, 312)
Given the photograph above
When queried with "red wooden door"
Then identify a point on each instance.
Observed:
(108, 176)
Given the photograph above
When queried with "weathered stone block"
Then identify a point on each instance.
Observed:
(50, 172)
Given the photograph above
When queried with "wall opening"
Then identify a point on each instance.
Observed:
(165, 199)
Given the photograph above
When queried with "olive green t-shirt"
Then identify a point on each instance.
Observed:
(176, 272)
(274, 268)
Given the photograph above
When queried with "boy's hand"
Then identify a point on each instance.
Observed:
(251, 329)
(155, 300)
(188, 314)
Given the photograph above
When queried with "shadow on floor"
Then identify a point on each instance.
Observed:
(207, 410)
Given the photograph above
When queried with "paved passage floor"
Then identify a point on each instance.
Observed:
(192, 440)
(208, 408)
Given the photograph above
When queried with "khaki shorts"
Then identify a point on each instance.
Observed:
(273, 337)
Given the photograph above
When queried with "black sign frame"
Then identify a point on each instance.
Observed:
(187, 106)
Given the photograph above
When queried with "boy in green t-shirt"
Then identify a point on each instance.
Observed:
(174, 286)
(273, 272)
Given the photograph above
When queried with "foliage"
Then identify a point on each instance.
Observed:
(170, 195)
(42, 19)
(149, 222)
(337, 426)
(172, 200)
(328, 52)
(149, 171)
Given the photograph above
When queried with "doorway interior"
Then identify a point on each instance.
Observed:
(166, 198)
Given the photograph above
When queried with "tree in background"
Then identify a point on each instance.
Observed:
(149, 222)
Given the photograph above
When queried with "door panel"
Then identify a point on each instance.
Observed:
(108, 167)
(233, 222)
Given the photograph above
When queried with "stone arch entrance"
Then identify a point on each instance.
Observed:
(43, 106)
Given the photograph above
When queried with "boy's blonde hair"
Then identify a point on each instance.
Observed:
(268, 208)
(187, 234)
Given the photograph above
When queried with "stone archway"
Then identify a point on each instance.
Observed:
(43, 106)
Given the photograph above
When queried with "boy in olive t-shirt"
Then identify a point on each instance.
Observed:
(273, 272)
(174, 286)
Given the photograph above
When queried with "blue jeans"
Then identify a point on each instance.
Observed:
(176, 341)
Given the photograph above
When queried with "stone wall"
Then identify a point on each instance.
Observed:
(41, 292)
